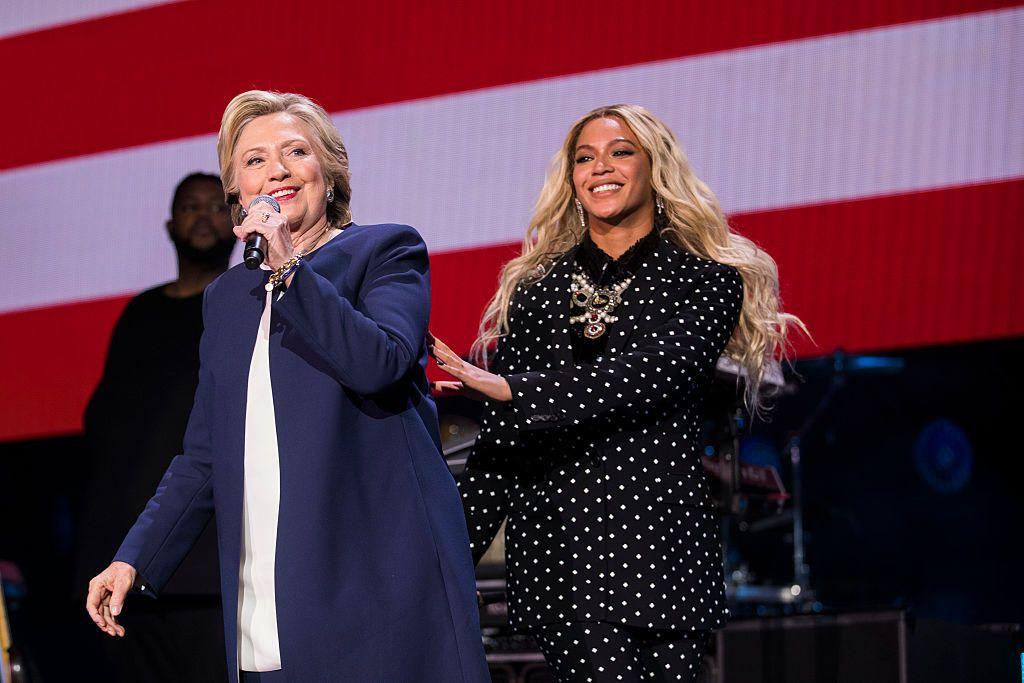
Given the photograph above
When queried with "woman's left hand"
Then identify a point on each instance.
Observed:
(474, 380)
(274, 227)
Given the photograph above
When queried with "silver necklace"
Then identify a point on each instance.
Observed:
(597, 303)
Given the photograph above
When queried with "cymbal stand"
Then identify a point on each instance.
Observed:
(801, 588)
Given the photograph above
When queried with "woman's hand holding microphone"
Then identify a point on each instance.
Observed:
(274, 228)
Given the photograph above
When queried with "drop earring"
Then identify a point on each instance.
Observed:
(660, 203)
(579, 211)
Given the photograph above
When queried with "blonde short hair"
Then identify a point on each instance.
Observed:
(326, 142)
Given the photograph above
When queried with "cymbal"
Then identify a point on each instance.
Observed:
(729, 370)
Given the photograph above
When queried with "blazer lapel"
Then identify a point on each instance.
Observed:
(552, 296)
(652, 274)
(558, 283)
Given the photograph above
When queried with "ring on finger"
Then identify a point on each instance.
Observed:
(266, 216)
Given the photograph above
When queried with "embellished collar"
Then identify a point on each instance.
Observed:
(603, 269)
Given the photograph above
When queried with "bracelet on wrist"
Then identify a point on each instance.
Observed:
(278, 277)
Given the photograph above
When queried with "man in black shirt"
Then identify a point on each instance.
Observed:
(134, 426)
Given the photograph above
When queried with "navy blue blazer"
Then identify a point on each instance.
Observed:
(374, 578)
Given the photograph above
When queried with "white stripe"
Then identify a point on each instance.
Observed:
(904, 108)
(23, 16)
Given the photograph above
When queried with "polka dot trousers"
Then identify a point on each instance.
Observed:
(596, 652)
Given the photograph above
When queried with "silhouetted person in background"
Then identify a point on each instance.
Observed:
(134, 426)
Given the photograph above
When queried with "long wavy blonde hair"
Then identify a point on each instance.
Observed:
(692, 219)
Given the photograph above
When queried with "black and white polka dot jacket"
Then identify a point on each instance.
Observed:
(597, 467)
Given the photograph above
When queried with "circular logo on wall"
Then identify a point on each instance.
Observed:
(943, 456)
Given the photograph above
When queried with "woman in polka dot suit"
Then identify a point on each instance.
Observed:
(608, 327)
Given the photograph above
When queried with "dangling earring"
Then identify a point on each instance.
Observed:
(579, 210)
(330, 195)
(660, 203)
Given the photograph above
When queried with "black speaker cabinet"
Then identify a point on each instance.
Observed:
(877, 647)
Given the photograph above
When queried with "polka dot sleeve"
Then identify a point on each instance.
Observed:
(667, 362)
(483, 488)
(484, 482)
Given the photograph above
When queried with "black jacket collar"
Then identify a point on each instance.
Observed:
(603, 269)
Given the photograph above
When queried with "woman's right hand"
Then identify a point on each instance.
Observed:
(471, 381)
(107, 591)
(274, 227)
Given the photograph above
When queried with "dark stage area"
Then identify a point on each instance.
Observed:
(912, 483)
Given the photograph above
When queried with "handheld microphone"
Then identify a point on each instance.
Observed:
(256, 246)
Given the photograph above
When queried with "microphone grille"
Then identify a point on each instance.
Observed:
(265, 199)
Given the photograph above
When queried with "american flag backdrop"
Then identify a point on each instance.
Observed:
(875, 149)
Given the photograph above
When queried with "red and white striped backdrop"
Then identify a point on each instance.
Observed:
(876, 149)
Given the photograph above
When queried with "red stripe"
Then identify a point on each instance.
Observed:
(887, 272)
(52, 362)
(167, 72)
(907, 270)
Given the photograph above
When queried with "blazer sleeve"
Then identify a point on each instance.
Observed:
(483, 484)
(483, 488)
(670, 360)
(182, 506)
(373, 343)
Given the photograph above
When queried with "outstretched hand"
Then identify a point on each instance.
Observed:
(473, 382)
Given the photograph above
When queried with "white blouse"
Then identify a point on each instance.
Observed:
(258, 645)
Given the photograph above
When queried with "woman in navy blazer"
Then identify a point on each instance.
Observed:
(343, 550)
